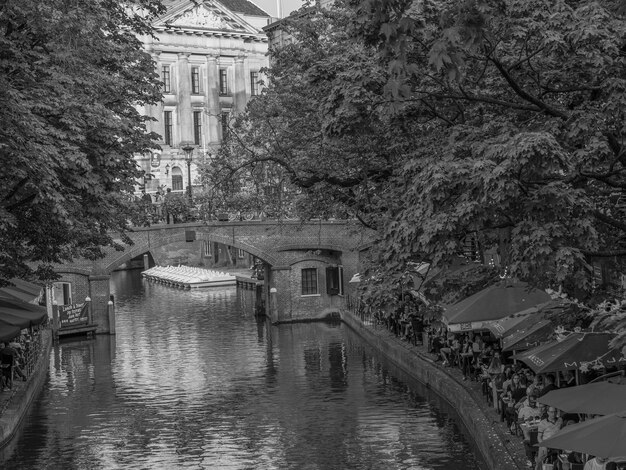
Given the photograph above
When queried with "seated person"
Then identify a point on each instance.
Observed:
(6, 350)
(548, 385)
(529, 410)
(597, 463)
(536, 385)
(446, 351)
(548, 426)
(514, 393)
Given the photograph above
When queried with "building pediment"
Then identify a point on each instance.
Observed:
(206, 16)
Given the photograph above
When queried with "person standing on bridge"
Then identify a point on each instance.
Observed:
(167, 200)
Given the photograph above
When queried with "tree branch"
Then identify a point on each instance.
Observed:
(618, 224)
(525, 95)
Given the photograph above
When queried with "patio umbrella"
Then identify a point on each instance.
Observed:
(494, 303)
(597, 398)
(19, 305)
(22, 314)
(604, 436)
(22, 290)
(571, 353)
(22, 318)
(537, 332)
(501, 328)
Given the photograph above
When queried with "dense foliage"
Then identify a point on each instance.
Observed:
(71, 76)
(436, 121)
(291, 137)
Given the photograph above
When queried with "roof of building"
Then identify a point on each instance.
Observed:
(237, 6)
(243, 6)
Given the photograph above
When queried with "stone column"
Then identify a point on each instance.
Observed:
(183, 91)
(240, 98)
(213, 98)
(100, 294)
(156, 110)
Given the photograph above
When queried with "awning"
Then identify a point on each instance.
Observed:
(526, 338)
(23, 291)
(504, 326)
(8, 331)
(22, 318)
(586, 398)
(21, 314)
(604, 436)
(571, 353)
(494, 303)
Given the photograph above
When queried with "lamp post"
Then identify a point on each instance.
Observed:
(188, 149)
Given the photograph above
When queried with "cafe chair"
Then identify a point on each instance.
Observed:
(530, 446)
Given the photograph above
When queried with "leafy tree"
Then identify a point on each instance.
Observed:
(528, 142)
(438, 120)
(523, 144)
(295, 133)
(71, 76)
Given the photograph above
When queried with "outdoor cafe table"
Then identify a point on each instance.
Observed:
(528, 427)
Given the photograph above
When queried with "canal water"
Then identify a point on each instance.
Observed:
(192, 380)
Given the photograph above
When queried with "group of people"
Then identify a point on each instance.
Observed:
(154, 205)
(514, 390)
(12, 362)
(406, 323)
(517, 389)
(470, 352)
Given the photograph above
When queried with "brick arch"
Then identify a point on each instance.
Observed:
(64, 269)
(145, 247)
(309, 246)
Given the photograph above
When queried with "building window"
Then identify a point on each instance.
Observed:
(241, 253)
(223, 82)
(197, 127)
(225, 119)
(165, 77)
(62, 293)
(254, 83)
(195, 80)
(309, 281)
(167, 127)
(177, 179)
(207, 249)
(334, 280)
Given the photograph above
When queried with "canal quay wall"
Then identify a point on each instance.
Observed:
(15, 404)
(498, 449)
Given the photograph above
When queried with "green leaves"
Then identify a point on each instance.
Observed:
(71, 77)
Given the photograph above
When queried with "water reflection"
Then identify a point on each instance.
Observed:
(193, 381)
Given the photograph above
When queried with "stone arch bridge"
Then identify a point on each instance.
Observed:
(324, 248)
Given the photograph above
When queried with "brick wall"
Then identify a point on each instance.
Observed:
(285, 247)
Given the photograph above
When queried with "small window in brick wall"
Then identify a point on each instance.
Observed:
(309, 281)
(334, 280)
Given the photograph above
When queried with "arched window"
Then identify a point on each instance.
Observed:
(177, 179)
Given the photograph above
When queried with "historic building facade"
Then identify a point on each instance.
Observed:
(209, 56)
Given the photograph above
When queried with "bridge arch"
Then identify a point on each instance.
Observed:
(288, 249)
(146, 246)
